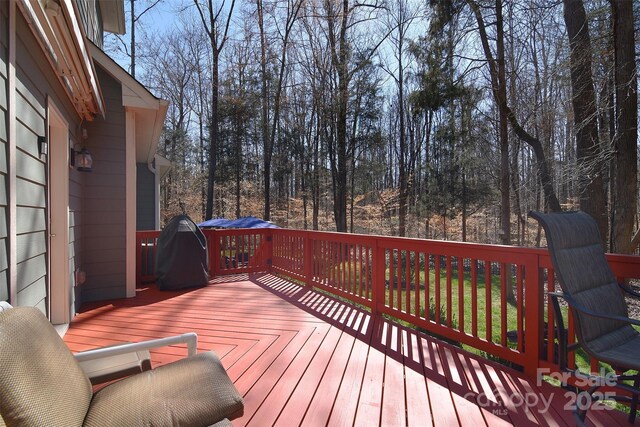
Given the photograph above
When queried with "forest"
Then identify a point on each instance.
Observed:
(440, 119)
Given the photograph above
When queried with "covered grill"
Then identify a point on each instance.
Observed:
(181, 256)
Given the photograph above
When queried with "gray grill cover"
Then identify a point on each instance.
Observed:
(181, 255)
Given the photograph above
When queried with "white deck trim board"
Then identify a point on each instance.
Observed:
(130, 218)
(11, 158)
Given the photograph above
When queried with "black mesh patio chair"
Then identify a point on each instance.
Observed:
(602, 324)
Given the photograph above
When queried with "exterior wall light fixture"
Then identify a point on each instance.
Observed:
(83, 160)
(43, 146)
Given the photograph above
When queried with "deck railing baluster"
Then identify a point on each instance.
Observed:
(461, 299)
(474, 297)
(488, 308)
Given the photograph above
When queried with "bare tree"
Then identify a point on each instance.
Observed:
(129, 47)
(134, 20)
(591, 185)
(626, 138)
(339, 17)
(217, 30)
(269, 135)
(398, 24)
(172, 75)
(500, 98)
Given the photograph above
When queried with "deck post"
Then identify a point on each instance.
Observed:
(138, 258)
(268, 256)
(533, 313)
(308, 259)
(215, 254)
(146, 245)
(378, 297)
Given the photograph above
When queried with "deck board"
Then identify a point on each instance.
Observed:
(301, 357)
(269, 409)
(419, 410)
(295, 408)
(369, 404)
(394, 394)
(320, 407)
(349, 391)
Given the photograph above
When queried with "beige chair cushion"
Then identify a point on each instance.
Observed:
(40, 381)
(190, 392)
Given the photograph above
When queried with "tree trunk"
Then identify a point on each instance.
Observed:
(626, 186)
(133, 39)
(315, 177)
(505, 199)
(213, 135)
(202, 164)
(267, 151)
(339, 159)
(591, 185)
(238, 160)
(211, 29)
(340, 202)
(402, 155)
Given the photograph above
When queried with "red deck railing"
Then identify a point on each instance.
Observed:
(489, 297)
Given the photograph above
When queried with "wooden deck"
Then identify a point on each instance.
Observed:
(302, 358)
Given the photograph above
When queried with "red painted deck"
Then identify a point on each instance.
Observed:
(302, 358)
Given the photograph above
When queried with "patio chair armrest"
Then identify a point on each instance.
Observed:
(190, 338)
(574, 304)
(628, 290)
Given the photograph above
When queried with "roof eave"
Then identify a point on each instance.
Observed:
(58, 31)
(113, 16)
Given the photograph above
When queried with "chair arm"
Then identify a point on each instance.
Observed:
(628, 290)
(574, 304)
(190, 338)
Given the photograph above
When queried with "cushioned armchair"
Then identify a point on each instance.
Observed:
(597, 303)
(42, 383)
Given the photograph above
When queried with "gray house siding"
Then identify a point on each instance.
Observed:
(4, 49)
(104, 199)
(97, 201)
(91, 20)
(35, 84)
(145, 198)
(31, 179)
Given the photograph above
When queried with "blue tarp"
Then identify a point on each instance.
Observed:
(251, 222)
(244, 222)
(215, 222)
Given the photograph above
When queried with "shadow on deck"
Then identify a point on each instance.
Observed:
(300, 357)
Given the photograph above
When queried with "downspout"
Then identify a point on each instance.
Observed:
(130, 202)
(163, 106)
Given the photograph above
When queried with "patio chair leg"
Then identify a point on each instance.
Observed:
(579, 412)
(571, 388)
(634, 400)
(579, 416)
